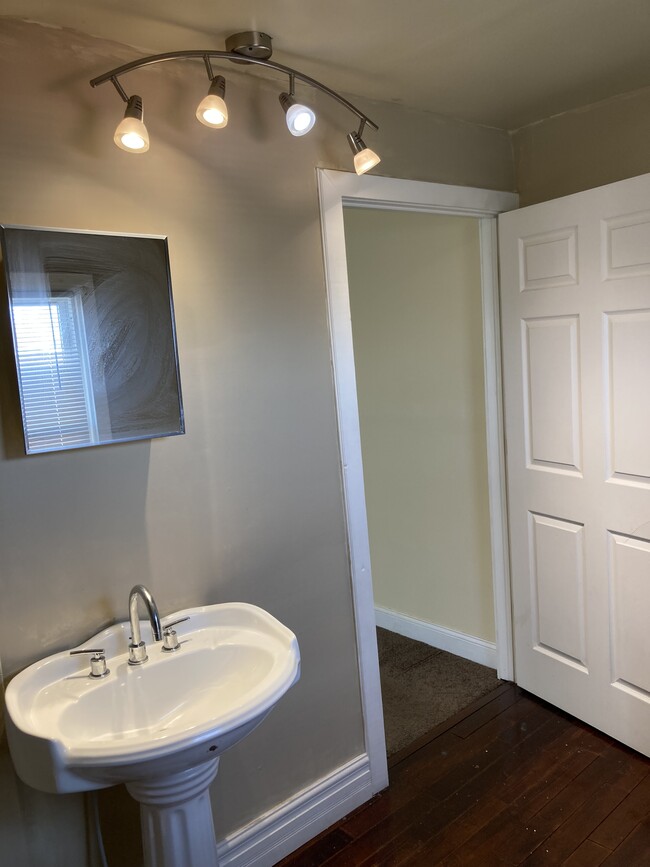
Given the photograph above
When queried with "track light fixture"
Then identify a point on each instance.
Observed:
(251, 47)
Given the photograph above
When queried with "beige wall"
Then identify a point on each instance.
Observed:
(247, 505)
(595, 145)
(415, 297)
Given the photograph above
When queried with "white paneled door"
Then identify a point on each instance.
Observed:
(575, 283)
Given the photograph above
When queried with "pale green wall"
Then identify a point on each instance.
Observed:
(586, 148)
(247, 505)
(415, 298)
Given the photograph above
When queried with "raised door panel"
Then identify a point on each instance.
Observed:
(626, 246)
(627, 354)
(557, 589)
(552, 393)
(629, 578)
(548, 259)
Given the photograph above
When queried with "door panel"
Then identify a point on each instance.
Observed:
(627, 348)
(557, 572)
(629, 577)
(575, 284)
(552, 392)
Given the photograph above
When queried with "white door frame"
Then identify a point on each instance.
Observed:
(337, 189)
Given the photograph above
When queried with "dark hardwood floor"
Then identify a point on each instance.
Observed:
(509, 781)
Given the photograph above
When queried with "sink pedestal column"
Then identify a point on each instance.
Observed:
(177, 826)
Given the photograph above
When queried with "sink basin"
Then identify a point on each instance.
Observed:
(69, 732)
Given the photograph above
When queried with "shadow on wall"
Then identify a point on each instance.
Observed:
(30, 822)
(119, 816)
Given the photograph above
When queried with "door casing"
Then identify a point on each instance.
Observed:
(337, 189)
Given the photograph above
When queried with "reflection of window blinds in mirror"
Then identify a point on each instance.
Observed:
(53, 373)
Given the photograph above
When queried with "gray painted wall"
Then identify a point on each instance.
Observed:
(595, 145)
(247, 505)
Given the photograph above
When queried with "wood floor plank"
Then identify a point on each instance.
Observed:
(469, 724)
(530, 789)
(507, 839)
(583, 805)
(485, 754)
(588, 854)
(450, 748)
(634, 851)
(455, 834)
(547, 769)
(512, 835)
(615, 828)
(321, 849)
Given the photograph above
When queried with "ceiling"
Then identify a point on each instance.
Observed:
(504, 63)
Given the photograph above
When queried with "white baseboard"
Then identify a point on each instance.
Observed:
(285, 828)
(467, 646)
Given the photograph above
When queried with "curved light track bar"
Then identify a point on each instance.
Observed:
(113, 74)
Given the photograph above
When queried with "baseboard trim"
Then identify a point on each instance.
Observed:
(282, 830)
(467, 646)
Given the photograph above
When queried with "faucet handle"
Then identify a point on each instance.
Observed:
(97, 661)
(170, 639)
(167, 626)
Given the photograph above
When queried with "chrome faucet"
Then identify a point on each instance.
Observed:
(137, 647)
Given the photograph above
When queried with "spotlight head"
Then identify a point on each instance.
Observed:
(131, 134)
(364, 158)
(300, 118)
(212, 110)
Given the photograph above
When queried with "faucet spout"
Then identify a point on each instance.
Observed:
(137, 647)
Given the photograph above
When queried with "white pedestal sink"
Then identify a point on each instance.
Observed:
(159, 727)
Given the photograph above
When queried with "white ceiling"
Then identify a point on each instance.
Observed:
(505, 63)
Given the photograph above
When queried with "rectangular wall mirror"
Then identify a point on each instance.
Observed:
(94, 337)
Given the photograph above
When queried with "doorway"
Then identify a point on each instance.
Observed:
(336, 190)
(415, 299)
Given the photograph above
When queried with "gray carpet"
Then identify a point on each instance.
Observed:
(422, 687)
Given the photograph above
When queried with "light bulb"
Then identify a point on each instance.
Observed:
(300, 118)
(212, 111)
(131, 134)
(365, 160)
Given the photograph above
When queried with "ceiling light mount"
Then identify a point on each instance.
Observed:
(250, 43)
(250, 47)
